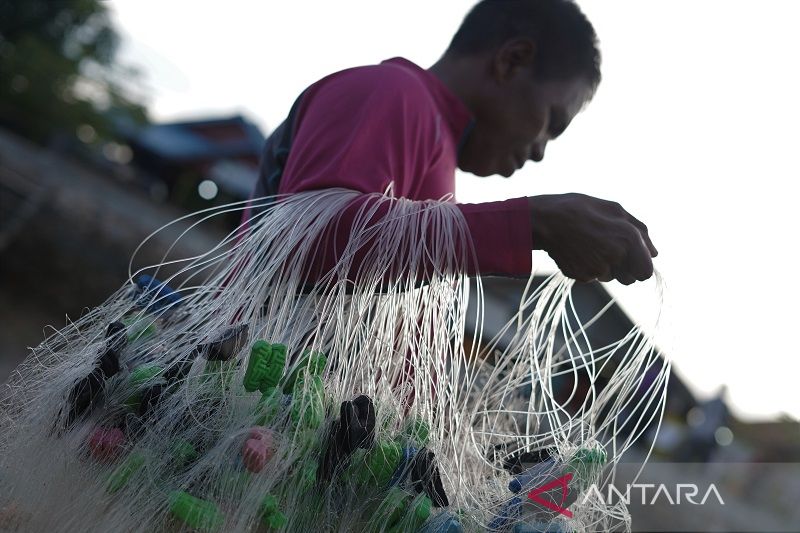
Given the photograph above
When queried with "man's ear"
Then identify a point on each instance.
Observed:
(512, 57)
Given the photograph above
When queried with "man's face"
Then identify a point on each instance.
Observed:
(516, 119)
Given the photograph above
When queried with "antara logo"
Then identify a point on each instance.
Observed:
(689, 492)
(563, 483)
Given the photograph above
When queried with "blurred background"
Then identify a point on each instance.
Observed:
(117, 117)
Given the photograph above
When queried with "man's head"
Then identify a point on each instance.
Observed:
(524, 68)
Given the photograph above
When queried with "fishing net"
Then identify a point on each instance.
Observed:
(310, 374)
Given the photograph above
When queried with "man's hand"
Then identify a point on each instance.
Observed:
(590, 238)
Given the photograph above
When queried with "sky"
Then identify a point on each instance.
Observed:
(694, 130)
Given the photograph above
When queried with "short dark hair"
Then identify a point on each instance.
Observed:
(566, 43)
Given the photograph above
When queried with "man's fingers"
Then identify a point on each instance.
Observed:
(605, 277)
(650, 246)
(639, 264)
(625, 278)
(576, 271)
(644, 233)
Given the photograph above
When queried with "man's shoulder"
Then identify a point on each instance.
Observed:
(394, 78)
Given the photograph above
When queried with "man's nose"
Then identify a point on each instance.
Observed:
(537, 152)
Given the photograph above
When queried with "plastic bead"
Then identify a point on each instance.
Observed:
(183, 452)
(592, 456)
(226, 346)
(260, 353)
(404, 467)
(258, 449)
(120, 476)
(265, 366)
(156, 295)
(116, 337)
(106, 444)
(148, 399)
(312, 364)
(585, 464)
(220, 373)
(419, 512)
(508, 514)
(425, 477)
(139, 328)
(85, 393)
(271, 516)
(270, 405)
(255, 455)
(308, 474)
(194, 512)
(534, 476)
(443, 523)
(335, 453)
(354, 429)
(175, 372)
(141, 376)
(357, 420)
(179, 369)
(516, 461)
(417, 432)
(260, 433)
(379, 464)
(393, 507)
(400, 511)
(308, 402)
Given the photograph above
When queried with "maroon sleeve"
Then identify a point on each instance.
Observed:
(367, 128)
(501, 235)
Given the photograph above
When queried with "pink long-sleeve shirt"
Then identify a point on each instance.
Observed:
(394, 124)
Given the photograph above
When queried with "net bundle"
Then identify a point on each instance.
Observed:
(279, 382)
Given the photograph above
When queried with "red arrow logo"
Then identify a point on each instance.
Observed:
(562, 482)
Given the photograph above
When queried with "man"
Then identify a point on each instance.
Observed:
(514, 76)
